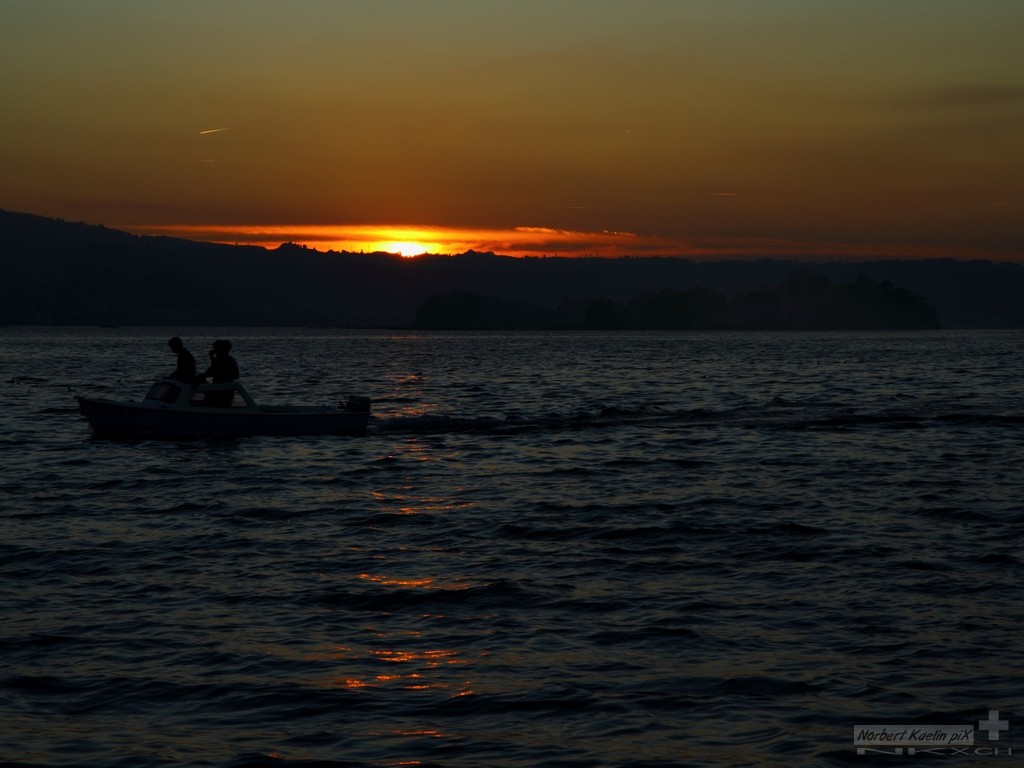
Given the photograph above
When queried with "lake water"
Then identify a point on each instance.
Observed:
(551, 549)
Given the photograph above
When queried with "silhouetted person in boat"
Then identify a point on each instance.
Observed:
(223, 369)
(186, 370)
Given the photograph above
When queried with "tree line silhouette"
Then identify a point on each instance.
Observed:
(54, 272)
(805, 301)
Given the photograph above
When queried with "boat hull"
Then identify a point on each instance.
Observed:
(109, 418)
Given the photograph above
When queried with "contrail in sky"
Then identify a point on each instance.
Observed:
(213, 130)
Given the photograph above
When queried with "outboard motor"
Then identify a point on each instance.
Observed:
(357, 403)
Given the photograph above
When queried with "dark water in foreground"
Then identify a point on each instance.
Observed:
(561, 550)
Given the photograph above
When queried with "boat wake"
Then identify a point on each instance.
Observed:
(773, 416)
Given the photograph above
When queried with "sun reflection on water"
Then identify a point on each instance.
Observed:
(425, 672)
(412, 504)
(424, 582)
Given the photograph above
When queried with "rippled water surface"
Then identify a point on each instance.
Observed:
(550, 550)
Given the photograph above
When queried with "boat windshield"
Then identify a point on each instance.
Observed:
(164, 392)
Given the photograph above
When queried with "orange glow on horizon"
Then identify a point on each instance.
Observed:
(412, 241)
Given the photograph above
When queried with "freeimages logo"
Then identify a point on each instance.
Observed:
(947, 740)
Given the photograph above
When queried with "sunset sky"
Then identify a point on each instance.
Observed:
(836, 128)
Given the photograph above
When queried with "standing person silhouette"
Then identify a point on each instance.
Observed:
(223, 369)
(186, 369)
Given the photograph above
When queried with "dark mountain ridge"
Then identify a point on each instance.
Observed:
(57, 272)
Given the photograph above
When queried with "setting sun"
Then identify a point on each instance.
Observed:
(405, 241)
(406, 249)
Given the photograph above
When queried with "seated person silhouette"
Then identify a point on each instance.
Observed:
(186, 370)
(223, 369)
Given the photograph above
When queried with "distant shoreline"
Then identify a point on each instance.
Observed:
(58, 273)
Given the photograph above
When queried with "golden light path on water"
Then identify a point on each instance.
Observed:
(396, 657)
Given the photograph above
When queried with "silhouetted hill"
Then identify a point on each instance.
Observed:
(56, 272)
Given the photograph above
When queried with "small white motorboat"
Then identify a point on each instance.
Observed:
(173, 409)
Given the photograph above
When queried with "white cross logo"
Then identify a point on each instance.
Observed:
(993, 725)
